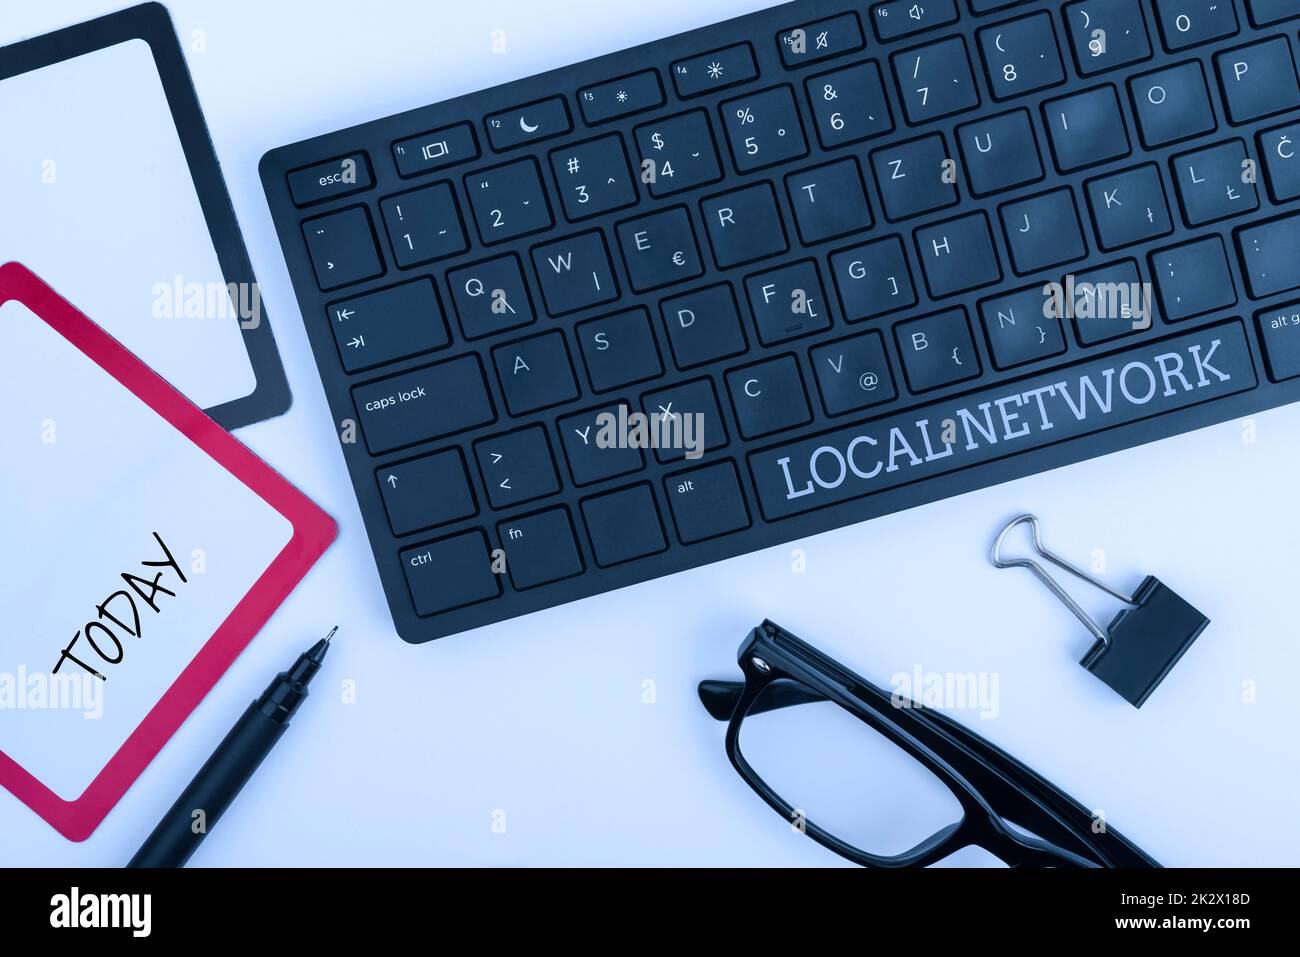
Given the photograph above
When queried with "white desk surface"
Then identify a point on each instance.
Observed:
(543, 717)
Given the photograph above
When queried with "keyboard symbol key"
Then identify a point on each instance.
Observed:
(853, 373)
(527, 124)
(508, 201)
(517, 466)
(937, 350)
(677, 153)
(342, 247)
(1129, 206)
(575, 273)
(490, 296)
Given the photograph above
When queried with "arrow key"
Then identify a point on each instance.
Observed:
(517, 466)
(424, 492)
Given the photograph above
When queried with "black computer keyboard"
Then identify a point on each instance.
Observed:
(813, 247)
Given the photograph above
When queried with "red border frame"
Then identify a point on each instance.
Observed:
(313, 531)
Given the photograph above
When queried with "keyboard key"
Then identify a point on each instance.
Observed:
(1193, 279)
(935, 80)
(768, 397)
(853, 373)
(574, 273)
(1043, 231)
(388, 324)
(590, 460)
(1212, 183)
(788, 302)
(911, 177)
(593, 177)
(1264, 12)
(535, 373)
(937, 350)
(528, 124)
(423, 225)
(763, 128)
(1021, 56)
(811, 42)
(490, 296)
(1106, 34)
(873, 279)
(631, 94)
(329, 180)
(1086, 128)
(828, 201)
(744, 225)
(342, 247)
(1172, 104)
(799, 475)
(517, 466)
(1258, 80)
(706, 502)
(849, 105)
(703, 325)
(1188, 23)
(958, 255)
(1280, 330)
(714, 71)
(1281, 168)
(1021, 327)
(436, 149)
(1129, 206)
(450, 573)
(540, 548)
(426, 403)
(901, 18)
(1109, 302)
(696, 401)
(619, 350)
(427, 491)
(659, 249)
(677, 153)
(1268, 253)
(999, 152)
(508, 201)
(623, 525)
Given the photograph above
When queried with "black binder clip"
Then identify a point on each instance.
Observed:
(1145, 640)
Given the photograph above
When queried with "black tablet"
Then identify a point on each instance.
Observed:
(111, 192)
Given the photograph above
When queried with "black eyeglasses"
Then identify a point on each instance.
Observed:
(891, 742)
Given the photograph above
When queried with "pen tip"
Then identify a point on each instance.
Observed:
(332, 631)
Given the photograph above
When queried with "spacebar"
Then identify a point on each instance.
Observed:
(1001, 420)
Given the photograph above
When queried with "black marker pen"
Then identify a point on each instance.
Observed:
(224, 774)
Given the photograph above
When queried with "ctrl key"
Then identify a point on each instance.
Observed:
(450, 573)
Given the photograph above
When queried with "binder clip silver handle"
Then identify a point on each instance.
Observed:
(1097, 631)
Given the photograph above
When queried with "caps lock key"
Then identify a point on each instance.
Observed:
(423, 404)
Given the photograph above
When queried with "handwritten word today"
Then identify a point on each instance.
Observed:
(117, 609)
